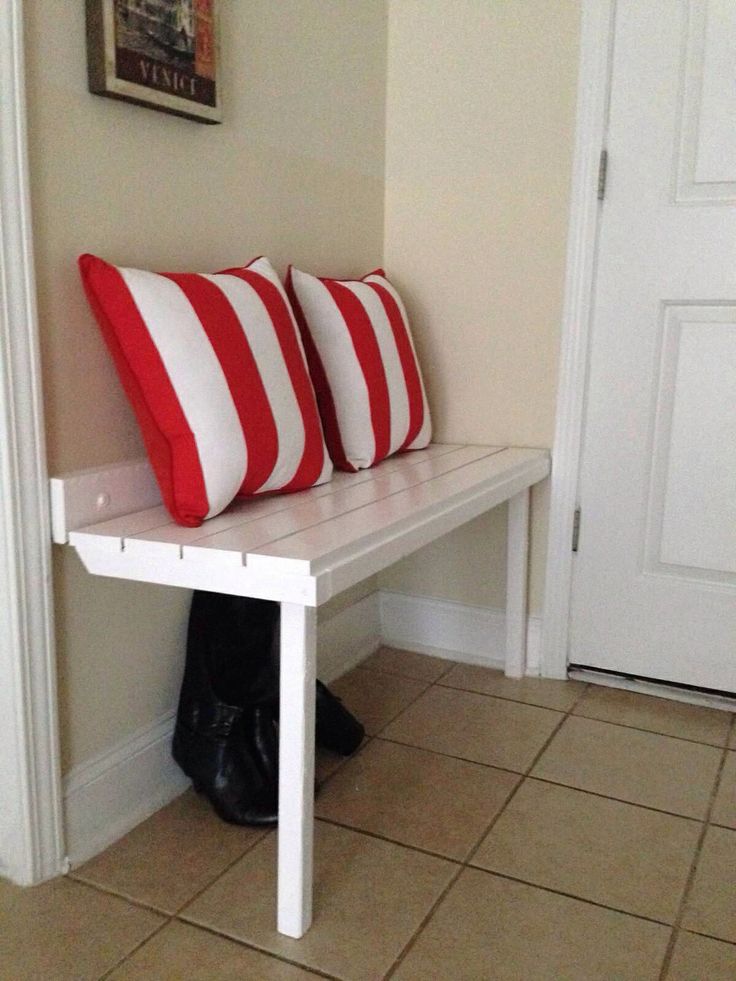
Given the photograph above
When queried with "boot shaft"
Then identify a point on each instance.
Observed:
(232, 648)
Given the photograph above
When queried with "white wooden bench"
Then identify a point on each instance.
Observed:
(300, 550)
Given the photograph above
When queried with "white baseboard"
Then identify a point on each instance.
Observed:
(110, 794)
(348, 637)
(107, 796)
(457, 631)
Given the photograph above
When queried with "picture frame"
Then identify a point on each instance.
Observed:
(162, 54)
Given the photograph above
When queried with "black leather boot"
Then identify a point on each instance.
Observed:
(337, 729)
(225, 737)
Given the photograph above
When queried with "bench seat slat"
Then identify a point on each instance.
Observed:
(315, 549)
(151, 531)
(230, 546)
(110, 534)
(245, 510)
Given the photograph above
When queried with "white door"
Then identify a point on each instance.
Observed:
(654, 583)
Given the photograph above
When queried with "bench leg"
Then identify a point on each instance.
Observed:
(516, 585)
(296, 768)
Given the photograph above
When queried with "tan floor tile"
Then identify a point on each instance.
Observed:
(724, 810)
(64, 930)
(181, 951)
(326, 763)
(409, 664)
(546, 692)
(169, 858)
(376, 698)
(704, 725)
(592, 847)
(476, 727)
(417, 798)
(711, 906)
(370, 897)
(489, 928)
(702, 959)
(732, 740)
(640, 767)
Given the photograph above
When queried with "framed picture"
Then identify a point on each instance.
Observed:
(157, 53)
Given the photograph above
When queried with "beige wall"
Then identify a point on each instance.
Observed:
(480, 123)
(294, 172)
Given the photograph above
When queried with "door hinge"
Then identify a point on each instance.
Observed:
(602, 174)
(576, 530)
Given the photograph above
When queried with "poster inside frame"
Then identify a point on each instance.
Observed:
(163, 54)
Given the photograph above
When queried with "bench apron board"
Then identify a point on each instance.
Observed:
(300, 550)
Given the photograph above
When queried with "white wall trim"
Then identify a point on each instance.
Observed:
(457, 631)
(31, 847)
(348, 637)
(593, 93)
(107, 796)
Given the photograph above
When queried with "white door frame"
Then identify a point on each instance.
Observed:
(31, 841)
(592, 110)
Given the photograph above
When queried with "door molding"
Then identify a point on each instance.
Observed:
(31, 841)
(592, 110)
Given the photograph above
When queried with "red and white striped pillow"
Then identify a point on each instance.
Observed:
(216, 375)
(363, 365)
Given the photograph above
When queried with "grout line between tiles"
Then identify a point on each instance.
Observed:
(652, 732)
(249, 945)
(135, 949)
(581, 715)
(523, 778)
(227, 868)
(406, 949)
(391, 841)
(619, 800)
(537, 757)
(112, 891)
(109, 891)
(450, 756)
(466, 862)
(450, 667)
(353, 756)
(404, 708)
(571, 895)
(369, 739)
(402, 674)
(708, 936)
(323, 781)
(508, 698)
(547, 780)
(696, 859)
(417, 933)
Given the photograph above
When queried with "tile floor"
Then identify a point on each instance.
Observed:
(487, 829)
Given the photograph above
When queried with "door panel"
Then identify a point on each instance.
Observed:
(707, 146)
(654, 586)
(697, 453)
